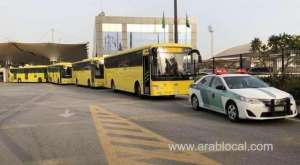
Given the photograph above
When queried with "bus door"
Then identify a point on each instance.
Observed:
(26, 73)
(1, 77)
(93, 68)
(146, 72)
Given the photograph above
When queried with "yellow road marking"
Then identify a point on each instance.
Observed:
(129, 147)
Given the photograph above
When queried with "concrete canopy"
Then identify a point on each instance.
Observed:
(40, 53)
(235, 52)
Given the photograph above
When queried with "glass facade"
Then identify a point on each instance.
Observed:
(119, 33)
(112, 37)
(143, 34)
(184, 34)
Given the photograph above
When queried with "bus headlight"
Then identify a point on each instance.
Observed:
(249, 100)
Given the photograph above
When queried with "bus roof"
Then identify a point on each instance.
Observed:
(30, 66)
(89, 59)
(149, 46)
(62, 64)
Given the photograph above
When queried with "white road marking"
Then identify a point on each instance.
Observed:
(67, 114)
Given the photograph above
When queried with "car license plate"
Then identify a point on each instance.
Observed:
(281, 108)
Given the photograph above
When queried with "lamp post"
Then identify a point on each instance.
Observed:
(175, 22)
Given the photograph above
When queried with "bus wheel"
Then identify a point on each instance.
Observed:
(89, 83)
(112, 85)
(40, 80)
(137, 89)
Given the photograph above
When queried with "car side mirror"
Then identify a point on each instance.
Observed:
(221, 87)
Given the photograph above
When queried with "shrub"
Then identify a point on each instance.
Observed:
(291, 84)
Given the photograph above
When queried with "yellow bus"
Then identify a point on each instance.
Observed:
(89, 72)
(60, 73)
(28, 74)
(154, 70)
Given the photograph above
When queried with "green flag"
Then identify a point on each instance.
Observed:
(163, 21)
(187, 21)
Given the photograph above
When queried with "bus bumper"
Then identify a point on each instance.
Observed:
(168, 88)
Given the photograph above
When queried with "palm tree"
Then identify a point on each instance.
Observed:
(273, 43)
(256, 45)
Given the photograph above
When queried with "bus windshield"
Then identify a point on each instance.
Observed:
(172, 64)
(67, 72)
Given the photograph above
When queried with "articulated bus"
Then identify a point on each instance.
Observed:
(154, 70)
(29, 74)
(89, 72)
(60, 73)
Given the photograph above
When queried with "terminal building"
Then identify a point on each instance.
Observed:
(115, 33)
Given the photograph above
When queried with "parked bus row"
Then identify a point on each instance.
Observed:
(154, 70)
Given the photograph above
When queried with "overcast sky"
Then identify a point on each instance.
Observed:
(235, 21)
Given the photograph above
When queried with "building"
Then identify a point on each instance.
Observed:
(115, 33)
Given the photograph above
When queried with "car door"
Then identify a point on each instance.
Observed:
(202, 91)
(215, 95)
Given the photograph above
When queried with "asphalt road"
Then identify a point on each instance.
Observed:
(50, 124)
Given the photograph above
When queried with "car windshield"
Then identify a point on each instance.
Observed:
(173, 63)
(241, 82)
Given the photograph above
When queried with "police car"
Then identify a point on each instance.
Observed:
(241, 96)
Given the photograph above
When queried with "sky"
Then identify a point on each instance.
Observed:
(235, 21)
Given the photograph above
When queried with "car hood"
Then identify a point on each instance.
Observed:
(261, 93)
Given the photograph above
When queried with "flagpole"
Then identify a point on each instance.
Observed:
(165, 35)
(186, 34)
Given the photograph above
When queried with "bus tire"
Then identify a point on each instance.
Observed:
(137, 89)
(89, 83)
(40, 80)
(112, 85)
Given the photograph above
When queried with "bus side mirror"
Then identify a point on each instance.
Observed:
(196, 52)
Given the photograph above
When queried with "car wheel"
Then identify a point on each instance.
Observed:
(232, 112)
(195, 103)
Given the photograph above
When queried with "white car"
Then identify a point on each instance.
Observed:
(241, 96)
